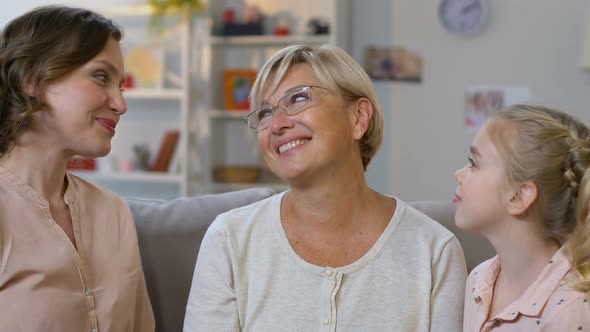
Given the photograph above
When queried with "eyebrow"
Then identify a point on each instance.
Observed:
(112, 69)
(289, 90)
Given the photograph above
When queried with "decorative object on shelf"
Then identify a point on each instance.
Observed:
(251, 22)
(81, 164)
(236, 174)
(318, 26)
(141, 154)
(237, 84)
(283, 23)
(145, 65)
(129, 81)
(463, 17)
(166, 151)
(242, 29)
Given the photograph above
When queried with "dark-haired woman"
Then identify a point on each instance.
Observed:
(69, 259)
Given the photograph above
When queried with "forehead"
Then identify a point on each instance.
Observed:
(485, 146)
(298, 74)
(111, 54)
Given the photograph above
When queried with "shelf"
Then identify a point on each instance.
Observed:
(134, 93)
(153, 177)
(268, 40)
(219, 186)
(228, 115)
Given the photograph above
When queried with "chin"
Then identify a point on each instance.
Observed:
(96, 152)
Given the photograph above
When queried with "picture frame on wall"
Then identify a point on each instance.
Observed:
(236, 85)
(394, 63)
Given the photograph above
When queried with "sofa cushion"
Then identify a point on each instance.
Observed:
(477, 248)
(169, 235)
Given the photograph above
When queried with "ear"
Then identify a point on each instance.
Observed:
(29, 88)
(362, 119)
(522, 198)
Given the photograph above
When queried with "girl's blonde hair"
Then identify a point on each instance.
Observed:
(552, 149)
(338, 72)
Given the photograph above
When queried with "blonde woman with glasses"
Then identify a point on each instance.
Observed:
(330, 253)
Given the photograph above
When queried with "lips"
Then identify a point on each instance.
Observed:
(286, 144)
(456, 199)
(107, 123)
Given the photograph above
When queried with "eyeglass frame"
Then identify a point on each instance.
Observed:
(282, 109)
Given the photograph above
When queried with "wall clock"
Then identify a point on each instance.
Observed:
(463, 17)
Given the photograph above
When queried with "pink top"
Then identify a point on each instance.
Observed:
(47, 284)
(547, 305)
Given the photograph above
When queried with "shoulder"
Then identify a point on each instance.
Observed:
(568, 310)
(483, 270)
(247, 219)
(423, 227)
(94, 195)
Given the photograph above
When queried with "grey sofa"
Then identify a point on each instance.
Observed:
(170, 234)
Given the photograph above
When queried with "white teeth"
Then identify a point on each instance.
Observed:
(288, 146)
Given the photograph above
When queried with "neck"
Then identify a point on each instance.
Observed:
(332, 207)
(42, 169)
(521, 243)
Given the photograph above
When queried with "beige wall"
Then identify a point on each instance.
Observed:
(536, 43)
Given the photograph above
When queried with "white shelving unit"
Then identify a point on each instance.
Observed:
(224, 138)
(210, 134)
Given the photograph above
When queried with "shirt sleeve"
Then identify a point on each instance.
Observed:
(143, 319)
(212, 302)
(144, 316)
(449, 274)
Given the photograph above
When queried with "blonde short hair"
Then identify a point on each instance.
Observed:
(336, 71)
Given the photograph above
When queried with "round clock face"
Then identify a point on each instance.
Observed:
(463, 17)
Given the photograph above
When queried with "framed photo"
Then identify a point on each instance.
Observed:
(145, 65)
(236, 88)
(393, 63)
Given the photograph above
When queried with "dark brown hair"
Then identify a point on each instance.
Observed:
(37, 47)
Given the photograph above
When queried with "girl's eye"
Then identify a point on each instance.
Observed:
(470, 162)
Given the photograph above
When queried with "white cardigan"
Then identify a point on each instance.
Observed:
(249, 278)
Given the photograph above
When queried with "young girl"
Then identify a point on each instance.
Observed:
(69, 259)
(526, 189)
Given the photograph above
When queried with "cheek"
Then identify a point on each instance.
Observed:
(263, 141)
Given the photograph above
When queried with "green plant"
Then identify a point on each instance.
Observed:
(186, 8)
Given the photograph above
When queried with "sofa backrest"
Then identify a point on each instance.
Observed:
(170, 234)
(476, 248)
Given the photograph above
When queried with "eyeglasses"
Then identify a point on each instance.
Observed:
(290, 104)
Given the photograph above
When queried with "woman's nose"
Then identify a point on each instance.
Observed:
(280, 121)
(118, 103)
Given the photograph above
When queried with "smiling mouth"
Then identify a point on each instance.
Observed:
(108, 124)
(294, 143)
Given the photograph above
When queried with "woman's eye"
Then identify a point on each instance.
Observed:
(470, 162)
(264, 113)
(298, 97)
(102, 77)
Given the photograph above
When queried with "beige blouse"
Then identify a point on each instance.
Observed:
(46, 284)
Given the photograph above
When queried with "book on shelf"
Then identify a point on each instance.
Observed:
(166, 151)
